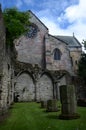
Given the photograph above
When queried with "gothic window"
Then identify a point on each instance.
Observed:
(71, 61)
(76, 62)
(57, 54)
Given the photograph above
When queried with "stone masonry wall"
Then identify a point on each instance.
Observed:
(2, 58)
(64, 63)
(7, 94)
(2, 41)
(5, 71)
(30, 50)
(24, 88)
(44, 88)
(28, 90)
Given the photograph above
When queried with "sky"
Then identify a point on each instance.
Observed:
(62, 17)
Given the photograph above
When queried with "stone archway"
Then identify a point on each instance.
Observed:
(44, 88)
(24, 88)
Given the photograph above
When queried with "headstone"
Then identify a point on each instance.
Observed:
(52, 105)
(43, 104)
(68, 100)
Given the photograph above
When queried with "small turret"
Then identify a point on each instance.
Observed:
(73, 34)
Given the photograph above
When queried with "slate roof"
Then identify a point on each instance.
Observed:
(69, 40)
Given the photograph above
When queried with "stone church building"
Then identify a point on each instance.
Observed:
(37, 65)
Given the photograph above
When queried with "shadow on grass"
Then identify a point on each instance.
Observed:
(56, 117)
(53, 117)
(4, 116)
(46, 111)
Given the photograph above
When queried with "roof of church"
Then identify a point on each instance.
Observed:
(69, 40)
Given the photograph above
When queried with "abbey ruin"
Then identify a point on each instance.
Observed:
(37, 65)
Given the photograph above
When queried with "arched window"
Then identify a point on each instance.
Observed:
(57, 54)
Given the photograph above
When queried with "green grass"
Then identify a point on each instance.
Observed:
(29, 116)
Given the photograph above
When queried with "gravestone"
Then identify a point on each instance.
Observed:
(52, 105)
(68, 100)
(43, 104)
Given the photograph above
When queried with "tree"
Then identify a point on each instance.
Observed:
(16, 23)
(82, 68)
(84, 43)
(82, 79)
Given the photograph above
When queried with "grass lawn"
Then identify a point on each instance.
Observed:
(29, 116)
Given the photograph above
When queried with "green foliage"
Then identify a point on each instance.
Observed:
(82, 68)
(29, 116)
(16, 23)
(84, 43)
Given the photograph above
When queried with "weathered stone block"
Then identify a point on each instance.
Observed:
(43, 104)
(68, 100)
(52, 105)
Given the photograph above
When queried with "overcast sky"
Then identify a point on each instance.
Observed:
(62, 17)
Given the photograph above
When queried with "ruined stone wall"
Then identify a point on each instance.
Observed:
(2, 59)
(5, 70)
(33, 86)
(44, 88)
(2, 41)
(24, 88)
(6, 86)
